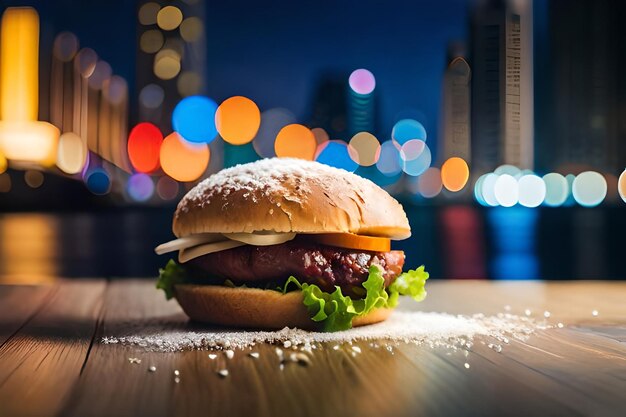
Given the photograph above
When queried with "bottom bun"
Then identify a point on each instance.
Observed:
(254, 308)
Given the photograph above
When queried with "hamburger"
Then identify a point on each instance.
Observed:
(286, 242)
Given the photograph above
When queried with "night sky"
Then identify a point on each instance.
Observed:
(275, 53)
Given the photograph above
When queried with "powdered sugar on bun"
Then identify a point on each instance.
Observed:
(289, 195)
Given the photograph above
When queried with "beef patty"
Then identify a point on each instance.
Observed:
(325, 266)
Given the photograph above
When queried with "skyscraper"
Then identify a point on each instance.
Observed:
(456, 114)
(582, 96)
(502, 84)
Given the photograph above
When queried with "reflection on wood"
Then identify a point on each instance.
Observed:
(579, 369)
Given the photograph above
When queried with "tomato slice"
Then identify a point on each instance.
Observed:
(351, 241)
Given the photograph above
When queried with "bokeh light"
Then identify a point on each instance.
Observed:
(166, 64)
(189, 83)
(272, 121)
(85, 61)
(151, 96)
(556, 189)
(406, 130)
(320, 134)
(419, 164)
(532, 191)
(34, 179)
(511, 170)
(295, 141)
(191, 29)
(389, 163)
(589, 188)
(454, 174)
(364, 149)
(237, 120)
(144, 147)
(140, 187)
(65, 46)
(102, 71)
(148, 13)
(506, 190)
(335, 153)
(167, 188)
(3, 163)
(621, 185)
(98, 181)
(194, 119)
(182, 160)
(430, 183)
(412, 149)
(151, 41)
(362, 81)
(478, 190)
(71, 153)
(169, 18)
(488, 189)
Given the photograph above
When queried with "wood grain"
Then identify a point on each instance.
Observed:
(41, 362)
(579, 369)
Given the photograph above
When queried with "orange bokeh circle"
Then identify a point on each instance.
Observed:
(295, 141)
(182, 160)
(454, 174)
(237, 120)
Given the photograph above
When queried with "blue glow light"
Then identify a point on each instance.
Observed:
(556, 189)
(194, 119)
(336, 154)
(98, 181)
(478, 191)
(407, 129)
(140, 187)
(513, 231)
(419, 165)
(389, 161)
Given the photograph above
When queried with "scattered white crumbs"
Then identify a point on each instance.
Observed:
(560, 325)
(467, 365)
(254, 355)
(152, 368)
(430, 329)
(230, 353)
(223, 373)
(212, 356)
(527, 312)
(594, 313)
(356, 349)
(176, 372)
(134, 360)
(547, 314)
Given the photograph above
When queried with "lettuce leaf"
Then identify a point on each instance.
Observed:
(411, 283)
(169, 276)
(334, 311)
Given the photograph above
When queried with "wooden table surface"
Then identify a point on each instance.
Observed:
(52, 360)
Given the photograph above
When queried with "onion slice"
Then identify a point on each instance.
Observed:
(188, 254)
(187, 242)
(258, 239)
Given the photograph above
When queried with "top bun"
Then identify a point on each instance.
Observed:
(289, 195)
